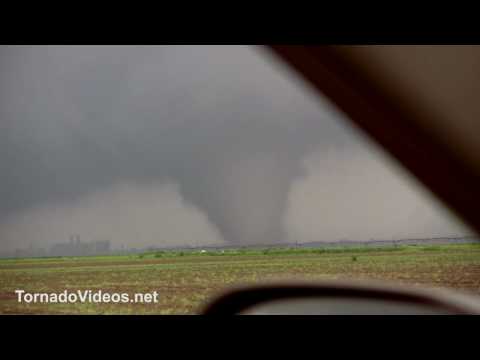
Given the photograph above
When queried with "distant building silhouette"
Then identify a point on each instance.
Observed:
(75, 247)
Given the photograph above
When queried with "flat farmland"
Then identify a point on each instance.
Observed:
(185, 280)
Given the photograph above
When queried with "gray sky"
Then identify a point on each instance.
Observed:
(187, 145)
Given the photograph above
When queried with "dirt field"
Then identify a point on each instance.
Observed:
(184, 281)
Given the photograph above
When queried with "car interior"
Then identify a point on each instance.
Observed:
(420, 103)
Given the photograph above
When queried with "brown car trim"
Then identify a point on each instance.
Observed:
(392, 124)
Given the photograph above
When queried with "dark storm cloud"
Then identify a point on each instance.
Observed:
(76, 119)
(225, 125)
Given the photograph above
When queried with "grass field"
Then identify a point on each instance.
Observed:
(185, 280)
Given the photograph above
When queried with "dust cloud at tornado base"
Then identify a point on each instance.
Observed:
(187, 145)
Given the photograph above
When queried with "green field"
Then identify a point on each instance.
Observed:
(185, 280)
